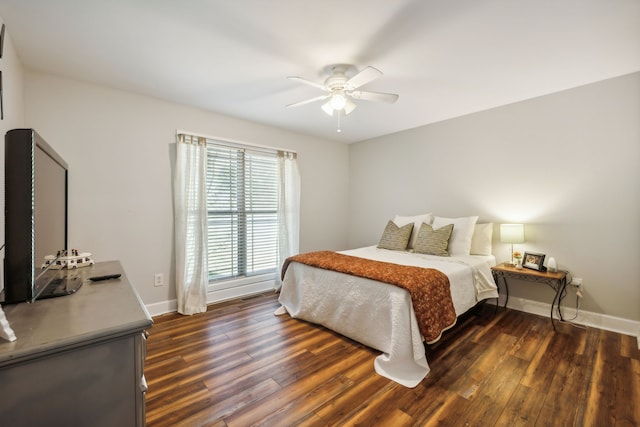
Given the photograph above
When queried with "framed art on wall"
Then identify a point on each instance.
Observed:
(1, 41)
(1, 109)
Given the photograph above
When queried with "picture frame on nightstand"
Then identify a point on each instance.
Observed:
(533, 261)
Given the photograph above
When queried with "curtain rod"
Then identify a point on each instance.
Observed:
(234, 141)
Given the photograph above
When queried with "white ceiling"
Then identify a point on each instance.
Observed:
(444, 58)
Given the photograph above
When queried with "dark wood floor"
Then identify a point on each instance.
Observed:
(239, 365)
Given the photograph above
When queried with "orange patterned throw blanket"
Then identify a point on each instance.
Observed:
(429, 288)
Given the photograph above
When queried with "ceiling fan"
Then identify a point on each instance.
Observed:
(342, 89)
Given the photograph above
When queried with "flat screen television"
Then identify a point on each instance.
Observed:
(36, 183)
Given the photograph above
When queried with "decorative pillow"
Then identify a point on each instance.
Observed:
(417, 221)
(394, 237)
(481, 239)
(433, 242)
(460, 241)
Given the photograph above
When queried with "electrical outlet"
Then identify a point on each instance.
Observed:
(577, 284)
(158, 279)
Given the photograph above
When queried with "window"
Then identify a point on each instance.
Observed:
(242, 211)
(236, 218)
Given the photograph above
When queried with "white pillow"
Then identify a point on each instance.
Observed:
(481, 239)
(417, 221)
(460, 241)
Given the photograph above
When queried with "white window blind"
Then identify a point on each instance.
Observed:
(242, 205)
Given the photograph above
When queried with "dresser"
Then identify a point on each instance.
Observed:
(78, 359)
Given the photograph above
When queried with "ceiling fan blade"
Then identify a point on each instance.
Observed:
(308, 82)
(389, 98)
(365, 76)
(308, 101)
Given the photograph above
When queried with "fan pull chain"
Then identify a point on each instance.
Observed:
(339, 130)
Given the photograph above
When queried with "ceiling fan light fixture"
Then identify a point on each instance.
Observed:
(327, 108)
(338, 100)
(349, 106)
(342, 88)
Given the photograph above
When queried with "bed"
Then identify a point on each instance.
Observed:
(380, 315)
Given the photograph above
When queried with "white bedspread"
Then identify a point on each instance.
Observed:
(379, 315)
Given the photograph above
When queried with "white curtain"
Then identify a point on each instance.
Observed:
(190, 222)
(288, 209)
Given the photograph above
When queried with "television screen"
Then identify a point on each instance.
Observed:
(50, 207)
(35, 213)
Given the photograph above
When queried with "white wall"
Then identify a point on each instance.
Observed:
(12, 87)
(13, 109)
(120, 149)
(566, 164)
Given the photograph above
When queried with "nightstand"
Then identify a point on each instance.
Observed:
(556, 281)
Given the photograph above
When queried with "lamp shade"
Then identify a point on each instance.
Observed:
(512, 233)
(338, 100)
(327, 108)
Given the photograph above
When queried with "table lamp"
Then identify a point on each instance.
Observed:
(512, 233)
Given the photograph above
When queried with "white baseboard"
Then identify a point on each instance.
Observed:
(164, 307)
(586, 318)
(213, 297)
